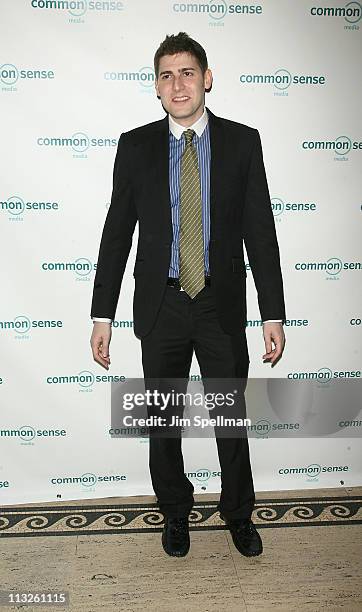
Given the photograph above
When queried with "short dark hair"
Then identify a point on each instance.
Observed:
(181, 43)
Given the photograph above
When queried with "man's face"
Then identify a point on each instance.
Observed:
(181, 87)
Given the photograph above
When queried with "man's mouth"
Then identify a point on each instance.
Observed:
(180, 99)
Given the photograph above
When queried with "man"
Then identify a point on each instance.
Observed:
(196, 185)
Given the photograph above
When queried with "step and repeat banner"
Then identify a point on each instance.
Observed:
(74, 75)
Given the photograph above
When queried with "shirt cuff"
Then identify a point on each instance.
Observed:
(273, 321)
(101, 320)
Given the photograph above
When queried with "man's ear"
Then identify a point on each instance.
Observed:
(156, 88)
(208, 79)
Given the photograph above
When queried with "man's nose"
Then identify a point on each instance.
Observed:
(177, 83)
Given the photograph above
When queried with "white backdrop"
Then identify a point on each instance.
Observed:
(73, 76)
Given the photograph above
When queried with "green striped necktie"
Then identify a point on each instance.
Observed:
(191, 247)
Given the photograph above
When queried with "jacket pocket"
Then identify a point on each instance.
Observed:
(138, 267)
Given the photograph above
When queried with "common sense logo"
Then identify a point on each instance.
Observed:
(87, 480)
(22, 325)
(313, 470)
(258, 323)
(350, 12)
(16, 206)
(144, 76)
(77, 9)
(263, 427)
(11, 74)
(354, 423)
(216, 10)
(280, 207)
(79, 142)
(122, 324)
(81, 267)
(324, 375)
(85, 379)
(27, 433)
(332, 266)
(282, 79)
(203, 475)
(341, 146)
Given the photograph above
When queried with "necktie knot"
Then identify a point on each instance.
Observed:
(189, 134)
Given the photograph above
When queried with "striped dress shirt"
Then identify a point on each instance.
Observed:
(201, 142)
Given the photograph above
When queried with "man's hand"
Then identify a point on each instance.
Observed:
(100, 339)
(273, 332)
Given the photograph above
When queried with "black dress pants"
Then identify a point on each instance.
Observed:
(184, 325)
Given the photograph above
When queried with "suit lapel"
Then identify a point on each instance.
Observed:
(216, 170)
(160, 159)
(161, 162)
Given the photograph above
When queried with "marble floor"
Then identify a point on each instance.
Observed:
(107, 554)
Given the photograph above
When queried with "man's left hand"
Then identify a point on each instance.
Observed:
(273, 333)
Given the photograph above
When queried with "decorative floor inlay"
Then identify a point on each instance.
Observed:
(134, 518)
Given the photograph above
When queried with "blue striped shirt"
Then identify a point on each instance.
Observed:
(202, 145)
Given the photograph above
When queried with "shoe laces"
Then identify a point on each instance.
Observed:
(245, 527)
(179, 526)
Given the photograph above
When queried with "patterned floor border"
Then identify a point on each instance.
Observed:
(143, 518)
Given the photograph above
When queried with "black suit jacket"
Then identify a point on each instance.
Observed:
(239, 210)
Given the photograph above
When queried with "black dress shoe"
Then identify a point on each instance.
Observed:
(176, 537)
(245, 536)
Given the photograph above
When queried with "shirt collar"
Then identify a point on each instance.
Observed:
(177, 130)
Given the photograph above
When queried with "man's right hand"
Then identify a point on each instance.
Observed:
(100, 340)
